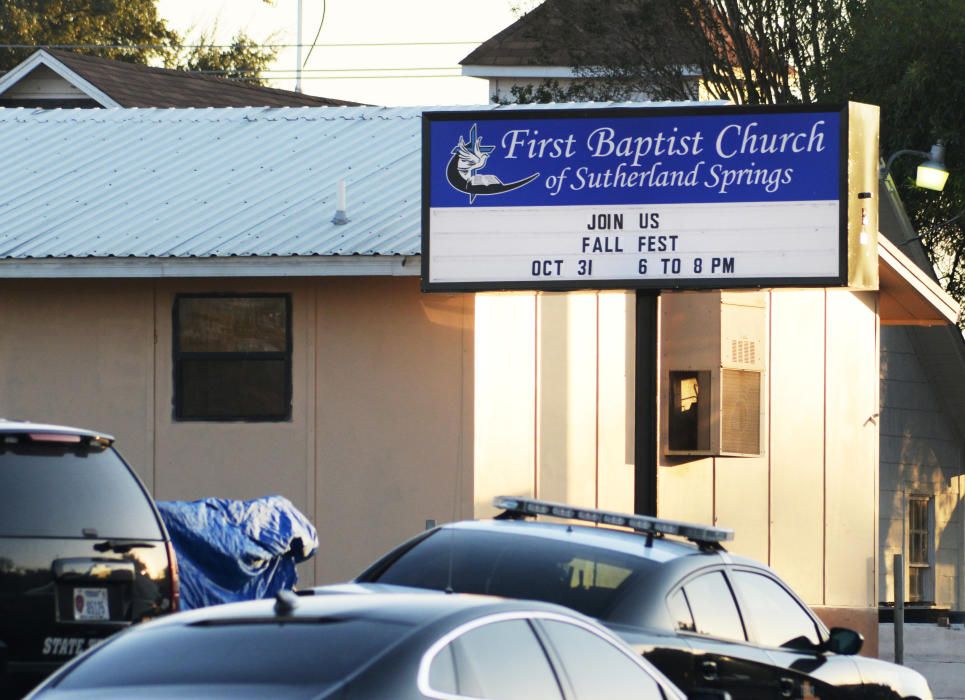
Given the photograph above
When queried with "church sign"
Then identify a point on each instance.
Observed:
(555, 199)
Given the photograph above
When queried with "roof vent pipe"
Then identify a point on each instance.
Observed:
(340, 216)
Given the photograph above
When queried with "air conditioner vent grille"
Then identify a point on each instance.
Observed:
(743, 351)
(741, 412)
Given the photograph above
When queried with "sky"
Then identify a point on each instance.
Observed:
(393, 43)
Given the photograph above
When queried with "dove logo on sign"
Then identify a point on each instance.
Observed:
(467, 160)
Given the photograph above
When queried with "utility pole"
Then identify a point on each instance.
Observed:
(298, 50)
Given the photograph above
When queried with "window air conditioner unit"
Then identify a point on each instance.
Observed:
(713, 356)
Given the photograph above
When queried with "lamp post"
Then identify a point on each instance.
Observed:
(932, 174)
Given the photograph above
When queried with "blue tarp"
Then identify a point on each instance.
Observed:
(230, 550)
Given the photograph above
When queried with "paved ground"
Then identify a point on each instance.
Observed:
(938, 653)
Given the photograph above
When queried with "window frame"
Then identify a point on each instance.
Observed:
(534, 620)
(178, 356)
(919, 571)
(425, 664)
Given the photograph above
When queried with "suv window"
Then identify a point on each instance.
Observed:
(775, 617)
(62, 490)
(712, 603)
(587, 579)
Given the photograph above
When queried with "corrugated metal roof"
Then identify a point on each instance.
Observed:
(210, 183)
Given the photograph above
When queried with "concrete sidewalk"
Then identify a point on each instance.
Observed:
(938, 653)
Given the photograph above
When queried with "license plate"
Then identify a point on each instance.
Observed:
(91, 604)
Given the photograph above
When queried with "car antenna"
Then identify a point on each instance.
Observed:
(452, 555)
(285, 602)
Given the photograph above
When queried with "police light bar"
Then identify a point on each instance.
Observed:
(640, 523)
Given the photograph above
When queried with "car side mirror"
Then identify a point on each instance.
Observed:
(844, 641)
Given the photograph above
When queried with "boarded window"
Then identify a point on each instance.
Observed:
(232, 357)
(919, 533)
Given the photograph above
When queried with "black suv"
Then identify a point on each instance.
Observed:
(708, 619)
(83, 551)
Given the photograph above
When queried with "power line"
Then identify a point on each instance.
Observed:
(332, 70)
(317, 34)
(351, 77)
(144, 47)
(367, 77)
(332, 73)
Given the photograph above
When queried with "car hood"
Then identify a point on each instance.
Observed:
(906, 681)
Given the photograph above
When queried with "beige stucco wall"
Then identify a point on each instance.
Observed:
(81, 353)
(382, 400)
(808, 505)
(469, 397)
(554, 398)
(394, 415)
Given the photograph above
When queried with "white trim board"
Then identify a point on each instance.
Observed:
(307, 266)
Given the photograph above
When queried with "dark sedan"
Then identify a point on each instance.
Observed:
(706, 618)
(365, 647)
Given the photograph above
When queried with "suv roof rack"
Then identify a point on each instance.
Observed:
(703, 535)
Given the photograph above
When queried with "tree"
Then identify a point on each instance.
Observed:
(244, 59)
(909, 59)
(745, 51)
(906, 57)
(125, 30)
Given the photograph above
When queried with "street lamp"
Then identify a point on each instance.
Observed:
(932, 174)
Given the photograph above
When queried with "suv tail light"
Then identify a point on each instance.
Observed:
(175, 577)
(54, 437)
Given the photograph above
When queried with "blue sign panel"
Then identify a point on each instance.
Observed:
(605, 167)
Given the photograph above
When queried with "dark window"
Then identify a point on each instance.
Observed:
(775, 616)
(232, 357)
(713, 606)
(311, 654)
(588, 579)
(689, 419)
(501, 660)
(596, 669)
(60, 491)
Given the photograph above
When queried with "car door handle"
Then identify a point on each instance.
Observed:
(708, 670)
(787, 687)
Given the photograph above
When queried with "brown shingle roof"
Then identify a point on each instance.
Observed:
(532, 40)
(550, 35)
(136, 85)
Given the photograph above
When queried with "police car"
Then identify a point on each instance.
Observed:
(708, 619)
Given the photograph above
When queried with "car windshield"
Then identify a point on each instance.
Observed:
(590, 580)
(63, 491)
(313, 654)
